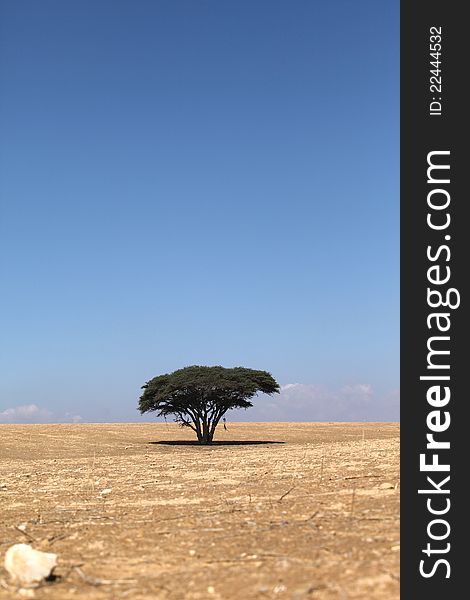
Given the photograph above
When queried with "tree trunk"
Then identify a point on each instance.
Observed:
(206, 435)
(215, 422)
(198, 429)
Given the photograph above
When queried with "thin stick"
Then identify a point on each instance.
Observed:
(360, 476)
(55, 538)
(312, 516)
(285, 494)
(25, 533)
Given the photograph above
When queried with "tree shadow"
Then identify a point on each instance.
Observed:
(214, 443)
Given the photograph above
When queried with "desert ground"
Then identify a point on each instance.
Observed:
(310, 513)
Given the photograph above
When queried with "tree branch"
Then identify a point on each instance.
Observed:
(185, 422)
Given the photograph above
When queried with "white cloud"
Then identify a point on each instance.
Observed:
(32, 413)
(311, 402)
(289, 386)
(27, 413)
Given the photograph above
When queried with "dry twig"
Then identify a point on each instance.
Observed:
(285, 494)
(361, 476)
(312, 516)
(25, 533)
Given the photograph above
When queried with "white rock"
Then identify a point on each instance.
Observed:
(106, 491)
(278, 589)
(26, 565)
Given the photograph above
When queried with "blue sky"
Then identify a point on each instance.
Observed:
(199, 182)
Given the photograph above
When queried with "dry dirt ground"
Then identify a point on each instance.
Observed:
(312, 513)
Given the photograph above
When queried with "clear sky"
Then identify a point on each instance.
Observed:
(199, 182)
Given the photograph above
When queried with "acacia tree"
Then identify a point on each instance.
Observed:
(198, 397)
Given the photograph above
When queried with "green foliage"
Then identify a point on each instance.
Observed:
(198, 397)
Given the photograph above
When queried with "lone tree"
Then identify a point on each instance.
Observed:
(200, 396)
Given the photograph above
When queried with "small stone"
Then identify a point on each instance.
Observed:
(192, 553)
(26, 565)
(386, 486)
(395, 548)
(106, 491)
(26, 593)
(210, 590)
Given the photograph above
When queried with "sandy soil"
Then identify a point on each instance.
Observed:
(313, 514)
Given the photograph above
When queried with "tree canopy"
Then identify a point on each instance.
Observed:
(198, 396)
